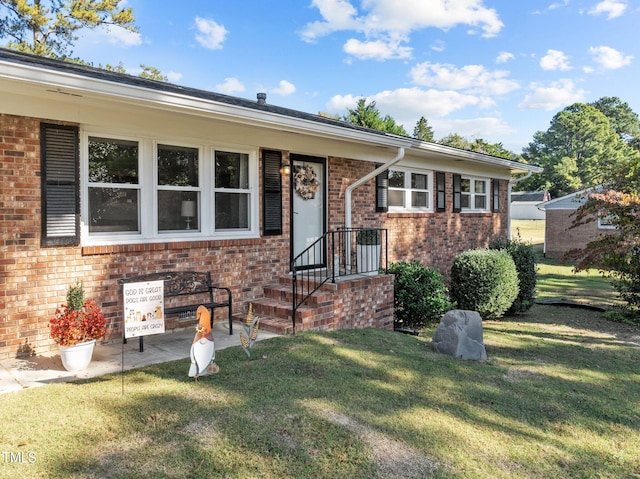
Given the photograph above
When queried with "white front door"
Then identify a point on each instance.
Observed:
(308, 209)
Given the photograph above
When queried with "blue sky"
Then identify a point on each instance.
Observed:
(492, 69)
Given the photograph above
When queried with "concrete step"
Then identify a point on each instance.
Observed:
(267, 323)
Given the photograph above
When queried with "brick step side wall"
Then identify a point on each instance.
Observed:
(354, 302)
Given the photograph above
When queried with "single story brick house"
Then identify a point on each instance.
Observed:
(559, 236)
(106, 176)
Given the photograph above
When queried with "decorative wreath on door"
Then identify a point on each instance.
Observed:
(306, 181)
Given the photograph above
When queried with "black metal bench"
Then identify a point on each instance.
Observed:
(190, 290)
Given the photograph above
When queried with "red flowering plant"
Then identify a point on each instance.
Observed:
(77, 321)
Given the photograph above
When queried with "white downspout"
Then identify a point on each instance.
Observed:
(512, 182)
(356, 184)
(364, 179)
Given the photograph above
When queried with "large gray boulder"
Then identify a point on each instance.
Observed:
(459, 334)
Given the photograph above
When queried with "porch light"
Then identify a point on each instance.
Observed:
(285, 169)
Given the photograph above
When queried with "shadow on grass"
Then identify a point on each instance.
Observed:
(541, 390)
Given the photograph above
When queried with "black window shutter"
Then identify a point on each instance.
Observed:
(441, 199)
(382, 192)
(457, 193)
(495, 188)
(60, 185)
(271, 193)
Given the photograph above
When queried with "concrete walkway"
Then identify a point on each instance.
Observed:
(18, 374)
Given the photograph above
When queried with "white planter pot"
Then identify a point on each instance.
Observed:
(78, 356)
(368, 257)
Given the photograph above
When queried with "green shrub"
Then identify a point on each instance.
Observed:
(420, 296)
(526, 265)
(485, 281)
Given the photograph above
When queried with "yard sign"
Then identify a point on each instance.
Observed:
(143, 308)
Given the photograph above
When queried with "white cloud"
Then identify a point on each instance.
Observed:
(555, 60)
(210, 35)
(174, 77)
(555, 6)
(230, 85)
(481, 127)
(610, 58)
(285, 88)
(404, 104)
(121, 36)
(438, 46)
(407, 105)
(612, 8)
(337, 14)
(113, 35)
(376, 50)
(385, 24)
(554, 96)
(504, 57)
(469, 78)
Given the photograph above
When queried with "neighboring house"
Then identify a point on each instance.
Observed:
(106, 176)
(524, 204)
(559, 236)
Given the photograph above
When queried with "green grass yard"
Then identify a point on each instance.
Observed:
(557, 398)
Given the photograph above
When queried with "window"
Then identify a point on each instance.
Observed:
(606, 221)
(114, 190)
(409, 190)
(231, 191)
(178, 188)
(155, 190)
(473, 194)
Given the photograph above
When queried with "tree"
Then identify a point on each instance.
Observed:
(423, 130)
(478, 145)
(579, 150)
(622, 118)
(367, 115)
(456, 141)
(49, 28)
(148, 72)
(617, 254)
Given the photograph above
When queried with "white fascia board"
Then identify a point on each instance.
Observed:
(169, 101)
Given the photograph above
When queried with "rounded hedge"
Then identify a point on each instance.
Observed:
(420, 295)
(527, 266)
(485, 281)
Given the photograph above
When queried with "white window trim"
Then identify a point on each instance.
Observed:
(407, 191)
(604, 221)
(487, 194)
(148, 186)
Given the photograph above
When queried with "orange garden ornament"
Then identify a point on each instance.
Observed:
(203, 351)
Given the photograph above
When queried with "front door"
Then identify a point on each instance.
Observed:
(308, 208)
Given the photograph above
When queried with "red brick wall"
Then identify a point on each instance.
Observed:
(559, 237)
(432, 238)
(35, 279)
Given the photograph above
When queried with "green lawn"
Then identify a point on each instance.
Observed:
(558, 398)
(530, 231)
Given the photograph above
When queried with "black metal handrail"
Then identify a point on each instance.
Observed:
(339, 253)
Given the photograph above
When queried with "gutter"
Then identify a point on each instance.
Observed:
(364, 179)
